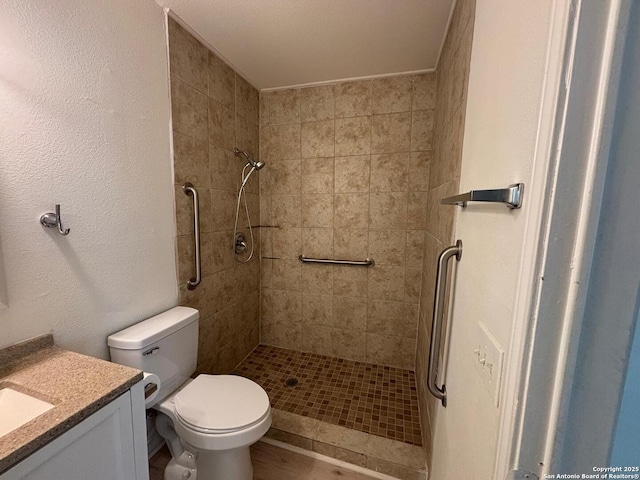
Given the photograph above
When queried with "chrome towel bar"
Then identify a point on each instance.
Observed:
(357, 263)
(190, 190)
(511, 196)
(438, 317)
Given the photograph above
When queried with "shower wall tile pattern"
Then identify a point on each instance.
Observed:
(347, 177)
(213, 111)
(444, 179)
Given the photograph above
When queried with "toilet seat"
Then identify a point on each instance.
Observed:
(209, 431)
(219, 404)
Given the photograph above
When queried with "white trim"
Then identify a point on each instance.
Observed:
(575, 213)
(586, 230)
(324, 458)
(516, 373)
(350, 79)
(446, 32)
(171, 147)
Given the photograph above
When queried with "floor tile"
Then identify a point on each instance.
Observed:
(368, 398)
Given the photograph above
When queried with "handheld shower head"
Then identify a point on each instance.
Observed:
(255, 164)
(239, 246)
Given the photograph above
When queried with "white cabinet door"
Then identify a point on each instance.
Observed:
(102, 447)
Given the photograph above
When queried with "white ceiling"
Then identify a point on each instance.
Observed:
(279, 43)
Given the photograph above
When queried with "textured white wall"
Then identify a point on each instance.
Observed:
(84, 122)
(507, 75)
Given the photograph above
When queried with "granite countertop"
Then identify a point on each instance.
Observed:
(77, 386)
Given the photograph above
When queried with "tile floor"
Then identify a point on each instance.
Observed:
(369, 398)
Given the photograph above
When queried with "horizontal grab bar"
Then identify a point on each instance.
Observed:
(357, 263)
(511, 196)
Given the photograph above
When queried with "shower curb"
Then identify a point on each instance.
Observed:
(327, 459)
(392, 458)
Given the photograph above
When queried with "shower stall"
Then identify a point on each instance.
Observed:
(317, 240)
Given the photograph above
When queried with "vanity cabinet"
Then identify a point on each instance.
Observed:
(108, 445)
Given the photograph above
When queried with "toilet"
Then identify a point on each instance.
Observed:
(208, 422)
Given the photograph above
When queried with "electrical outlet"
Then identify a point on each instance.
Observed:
(488, 358)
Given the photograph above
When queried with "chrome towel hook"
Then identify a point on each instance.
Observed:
(51, 220)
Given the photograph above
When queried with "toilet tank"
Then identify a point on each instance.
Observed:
(166, 344)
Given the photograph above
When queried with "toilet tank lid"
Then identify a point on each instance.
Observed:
(153, 329)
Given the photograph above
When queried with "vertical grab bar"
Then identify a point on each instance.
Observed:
(436, 325)
(189, 189)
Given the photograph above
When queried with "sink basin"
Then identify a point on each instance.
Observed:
(17, 408)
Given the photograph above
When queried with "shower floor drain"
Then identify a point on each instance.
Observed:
(291, 382)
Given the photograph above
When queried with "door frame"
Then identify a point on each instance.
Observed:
(584, 58)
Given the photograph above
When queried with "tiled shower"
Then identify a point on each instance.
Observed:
(348, 179)
(354, 170)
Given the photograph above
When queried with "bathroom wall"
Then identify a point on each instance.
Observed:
(444, 179)
(213, 111)
(506, 135)
(83, 122)
(347, 177)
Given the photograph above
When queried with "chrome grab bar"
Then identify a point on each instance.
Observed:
(189, 189)
(511, 196)
(357, 263)
(436, 325)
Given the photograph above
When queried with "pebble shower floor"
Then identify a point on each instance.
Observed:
(370, 398)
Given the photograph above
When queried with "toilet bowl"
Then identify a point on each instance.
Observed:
(208, 422)
(219, 429)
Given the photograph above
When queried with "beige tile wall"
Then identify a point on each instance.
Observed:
(214, 110)
(347, 177)
(451, 99)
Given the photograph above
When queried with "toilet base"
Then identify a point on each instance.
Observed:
(174, 471)
(232, 464)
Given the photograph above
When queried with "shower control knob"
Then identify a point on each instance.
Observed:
(241, 244)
